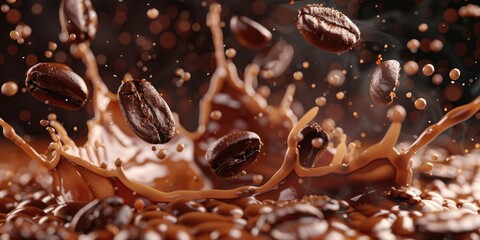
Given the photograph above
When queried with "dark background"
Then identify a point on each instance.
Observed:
(124, 44)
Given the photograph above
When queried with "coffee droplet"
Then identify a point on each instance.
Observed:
(423, 27)
(313, 141)
(327, 28)
(420, 103)
(454, 74)
(152, 13)
(437, 79)
(413, 45)
(162, 154)
(230, 155)
(410, 68)
(180, 147)
(9, 88)
(145, 111)
(396, 114)
(78, 21)
(383, 82)
(249, 33)
(56, 84)
(320, 101)
(428, 70)
(216, 115)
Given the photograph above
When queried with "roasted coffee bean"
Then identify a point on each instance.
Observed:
(249, 33)
(145, 111)
(275, 60)
(233, 153)
(452, 224)
(295, 221)
(78, 20)
(182, 206)
(98, 213)
(384, 81)
(327, 28)
(306, 149)
(441, 171)
(57, 85)
(65, 211)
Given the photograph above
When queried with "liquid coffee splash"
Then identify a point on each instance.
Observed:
(94, 170)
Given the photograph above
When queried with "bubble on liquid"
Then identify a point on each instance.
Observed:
(9, 88)
(454, 74)
(420, 103)
(428, 69)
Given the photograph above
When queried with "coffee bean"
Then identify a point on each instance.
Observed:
(145, 111)
(452, 224)
(78, 20)
(98, 213)
(274, 60)
(249, 33)
(57, 85)
(294, 221)
(327, 28)
(384, 81)
(307, 151)
(233, 153)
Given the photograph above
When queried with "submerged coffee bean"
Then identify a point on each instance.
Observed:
(145, 111)
(249, 33)
(294, 221)
(384, 81)
(78, 20)
(327, 28)
(57, 85)
(233, 153)
(99, 213)
(306, 149)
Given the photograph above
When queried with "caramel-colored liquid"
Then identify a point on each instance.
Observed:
(114, 161)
